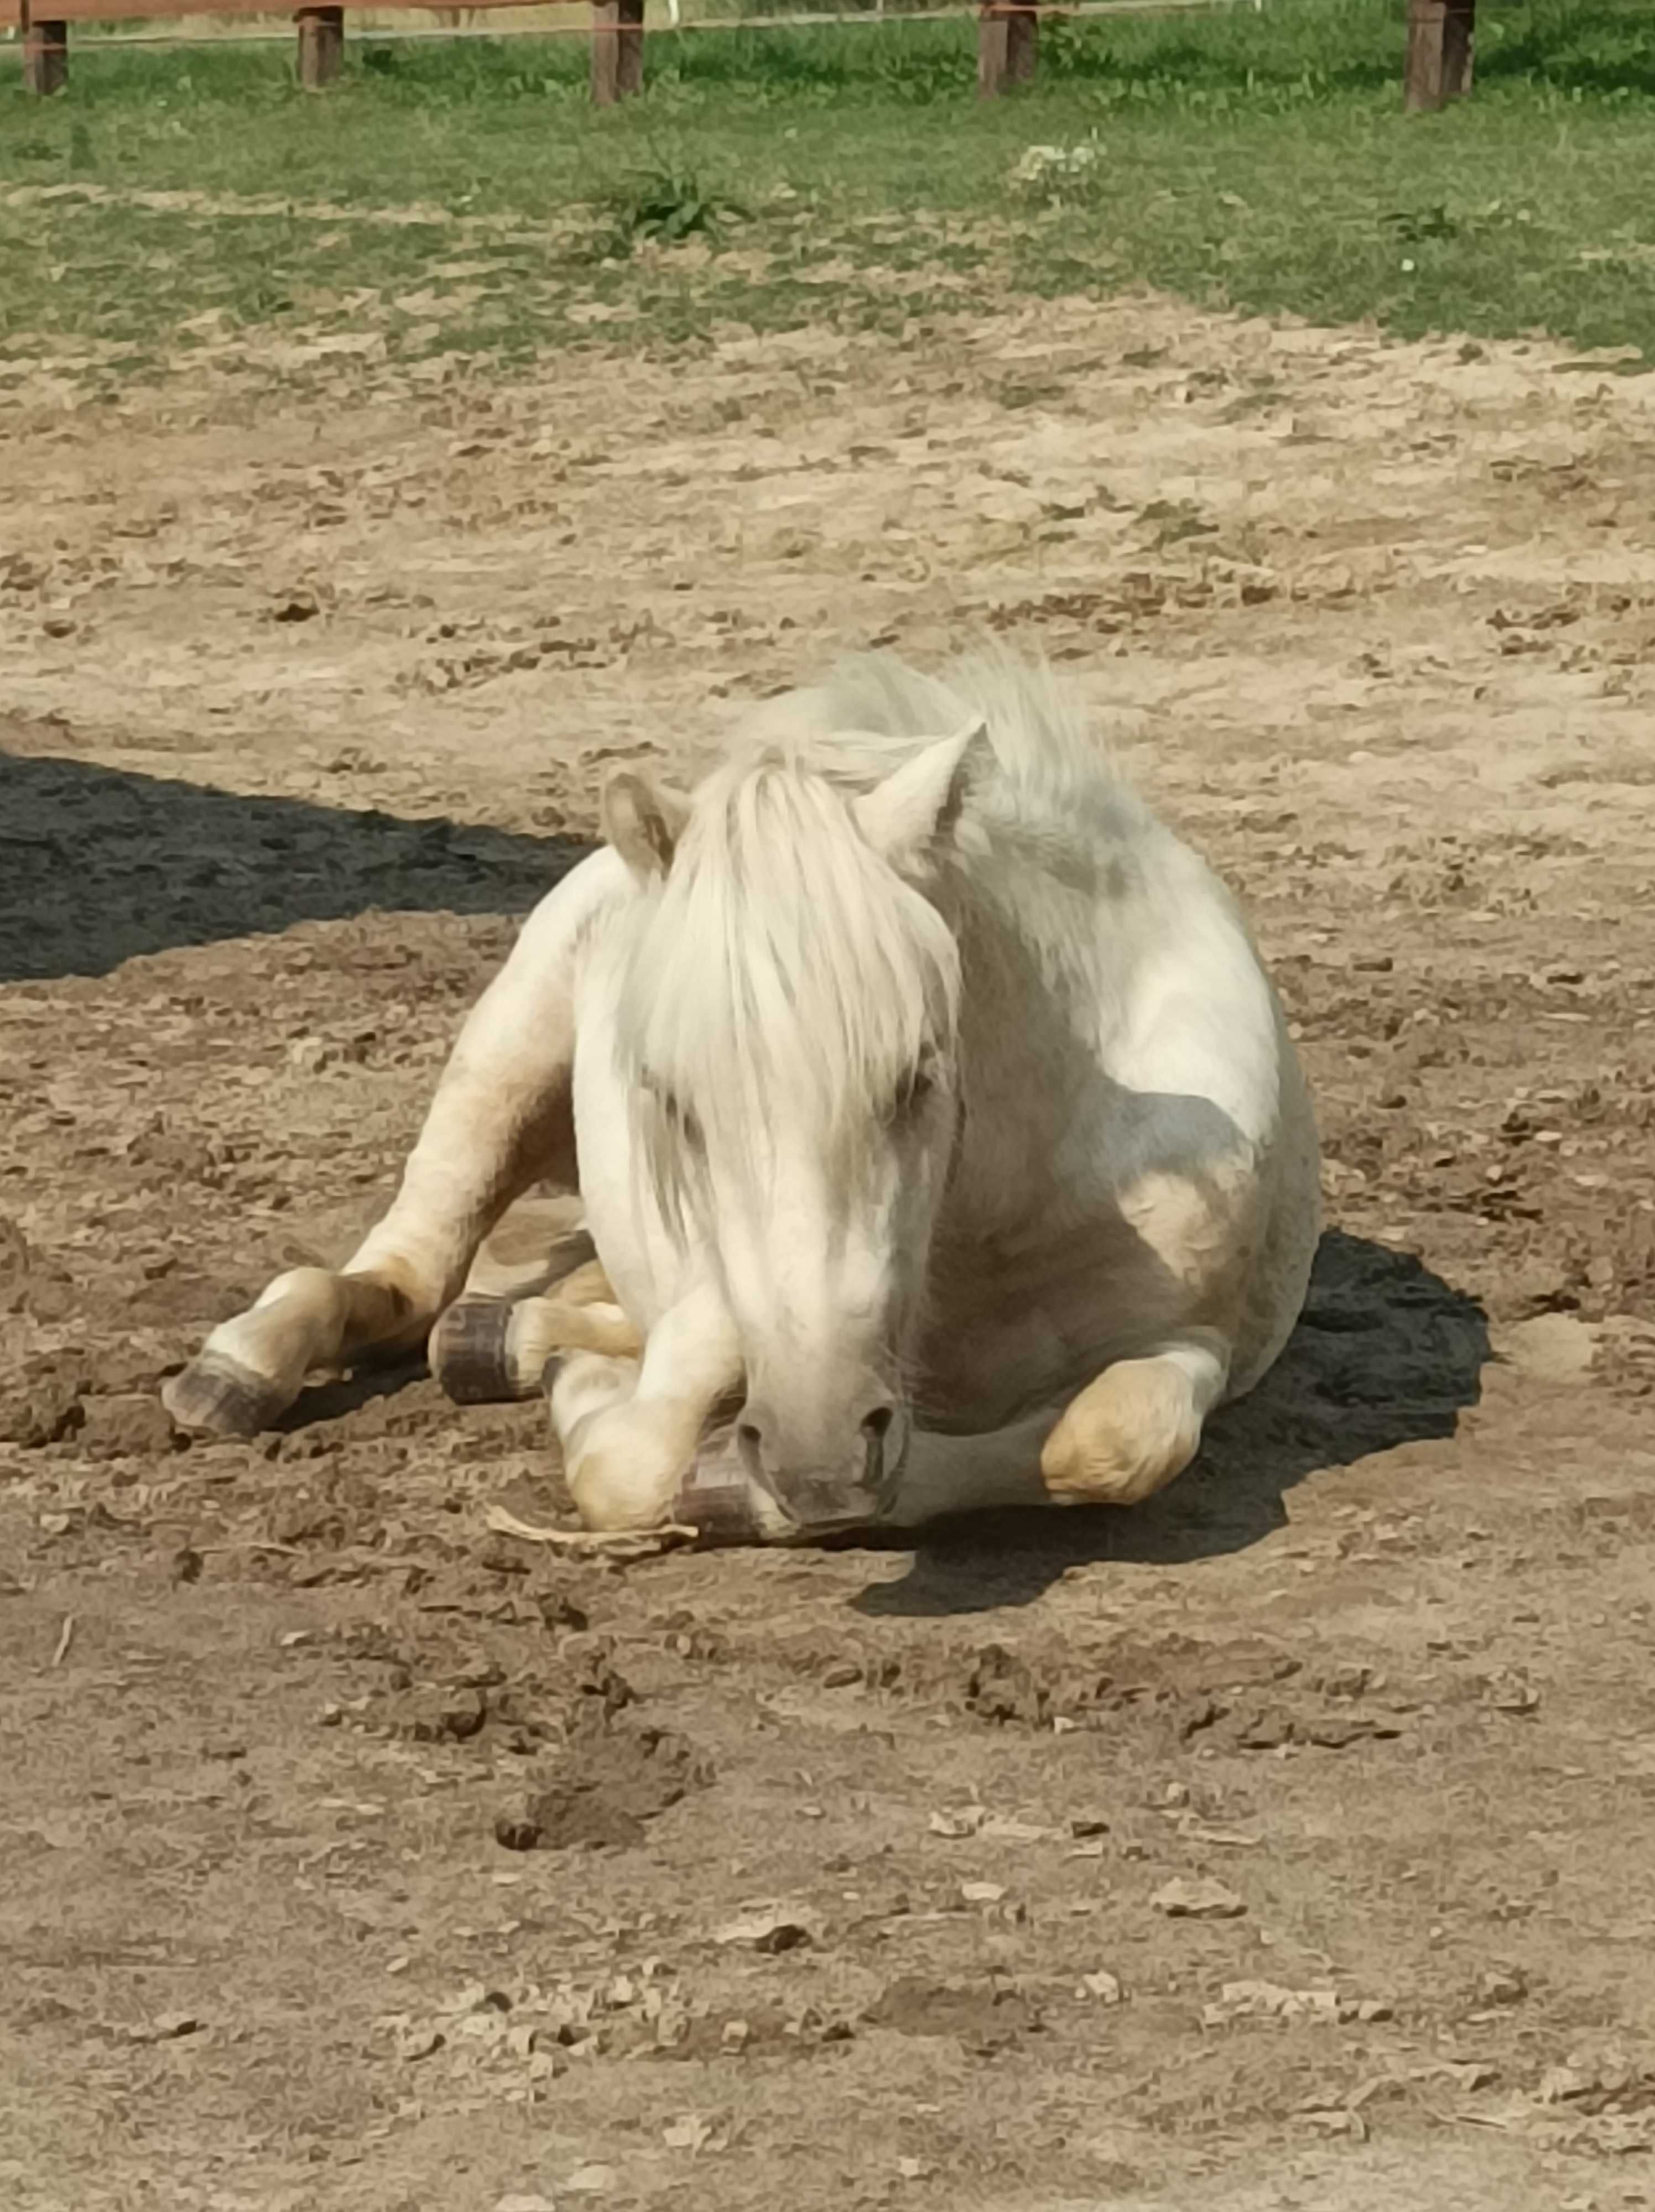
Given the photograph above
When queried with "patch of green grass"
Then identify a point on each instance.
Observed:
(1255, 159)
(664, 205)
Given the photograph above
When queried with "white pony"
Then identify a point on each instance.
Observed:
(935, 1126)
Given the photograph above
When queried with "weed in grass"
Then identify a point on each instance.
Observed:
(665, 203)
(1414, 226)
(1058, 176)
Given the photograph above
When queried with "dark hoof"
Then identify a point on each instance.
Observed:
(720, 1510)
(218, 1397)
(469, 1352)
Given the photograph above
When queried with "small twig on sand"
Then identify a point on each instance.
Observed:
(65, 1638)
(256, 1544)
(615, 1543)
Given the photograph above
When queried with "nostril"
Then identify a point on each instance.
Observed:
(750, 1449)
(877, 1426)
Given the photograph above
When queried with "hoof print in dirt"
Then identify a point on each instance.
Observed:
(125, 1425)
(771, 1929)
(603, 1792)
(44, 1402)
(983, 2016)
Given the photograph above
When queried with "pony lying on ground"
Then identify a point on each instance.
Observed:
(933, 1123)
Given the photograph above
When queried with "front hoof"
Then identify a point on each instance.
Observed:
(720, 1513)
(216, 1396)
(722, 1503)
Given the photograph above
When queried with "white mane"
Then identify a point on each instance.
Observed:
(872, 712)
(784, 974)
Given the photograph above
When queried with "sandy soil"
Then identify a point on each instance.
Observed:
(1286, 1842)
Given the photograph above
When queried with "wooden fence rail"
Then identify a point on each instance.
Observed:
(1438, 67)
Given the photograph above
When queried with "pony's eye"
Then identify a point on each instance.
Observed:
(680, 1118)
(915, 1088)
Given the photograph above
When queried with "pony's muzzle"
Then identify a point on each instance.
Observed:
(819, 1489)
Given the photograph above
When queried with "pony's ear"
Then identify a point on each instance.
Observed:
(907, 814)
(643, 821)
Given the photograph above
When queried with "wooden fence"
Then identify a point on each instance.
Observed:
(1438, 67)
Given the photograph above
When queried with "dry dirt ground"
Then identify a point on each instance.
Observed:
(1284, 1844)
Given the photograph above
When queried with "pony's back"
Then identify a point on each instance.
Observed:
(873, 712)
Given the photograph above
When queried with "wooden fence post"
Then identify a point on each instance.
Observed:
(45, 54)
(1007, 42)
(617, 50)
(1440, 37)
(321, 47)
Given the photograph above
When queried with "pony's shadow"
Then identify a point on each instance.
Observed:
(1385, 1353)
(98, 864)
(349, 1393)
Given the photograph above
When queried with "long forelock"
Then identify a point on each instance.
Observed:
(783, 975)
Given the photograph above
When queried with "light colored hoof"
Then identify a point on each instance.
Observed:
(1123, 1438)
(216, 1396)
(470, 1354)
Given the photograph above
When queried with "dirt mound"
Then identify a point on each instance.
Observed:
(604, 1790)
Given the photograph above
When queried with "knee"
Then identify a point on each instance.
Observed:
(626, 1464)
(310, 1286)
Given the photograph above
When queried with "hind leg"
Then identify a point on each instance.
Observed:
(1137, 1425)
(485, 1351)
(501, 1118)
(1177, 1305)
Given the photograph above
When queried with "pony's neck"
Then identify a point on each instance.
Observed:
(1026, 1045)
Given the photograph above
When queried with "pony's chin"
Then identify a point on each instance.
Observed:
(833, 1508)
(726, 1502)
